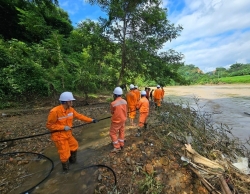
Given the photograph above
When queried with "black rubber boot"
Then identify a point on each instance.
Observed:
(72, 158)
(65, 167)
(145, 126)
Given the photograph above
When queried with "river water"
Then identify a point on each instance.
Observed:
(227, 103)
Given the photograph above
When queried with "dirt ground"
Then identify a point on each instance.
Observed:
(143, 166)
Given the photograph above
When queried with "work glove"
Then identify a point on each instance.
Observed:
(94, 121)
(66, 128)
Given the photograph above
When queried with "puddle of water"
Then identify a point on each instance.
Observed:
(79, 180)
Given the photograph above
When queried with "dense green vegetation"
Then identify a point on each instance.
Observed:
(42, 54)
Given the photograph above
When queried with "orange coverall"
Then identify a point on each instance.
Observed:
(132, 101)
(158, 96)
(138, 94)
(118, 110)
(163, 92)
(143, 106)
(65, 142)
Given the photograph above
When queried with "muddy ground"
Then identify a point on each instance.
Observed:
(143, 166)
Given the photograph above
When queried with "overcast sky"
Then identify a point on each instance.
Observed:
(216, 32)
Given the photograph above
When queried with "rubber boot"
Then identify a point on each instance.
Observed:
(72, 158)
(145, 126)
(65, 167)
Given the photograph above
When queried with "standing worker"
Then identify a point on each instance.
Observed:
(157, 97)
(132, 101)
(138, 93)
(61, 119)
(151, 95)
(162, 93)
(118, 110)
(143, 106)
(147, 93)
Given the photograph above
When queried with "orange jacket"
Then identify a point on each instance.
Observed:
(118, 110)
(162, 93)
(143, 105)
(158, 94)
(131, 98)
(59, 118)
(138, 94)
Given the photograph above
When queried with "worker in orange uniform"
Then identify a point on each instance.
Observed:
(61, 119)
(143, 106)
(157, 97)
(162, 93)
(132, 101)
(118, 110)
(147, 93)
(138, 93)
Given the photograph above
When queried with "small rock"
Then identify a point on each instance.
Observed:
(128, 160)
(83, 173)
(99, 177)
(149, 168)
(164, 161)
(84, 187)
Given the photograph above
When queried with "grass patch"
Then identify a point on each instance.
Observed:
(235, 79)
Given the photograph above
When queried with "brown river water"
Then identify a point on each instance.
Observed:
(227, 102)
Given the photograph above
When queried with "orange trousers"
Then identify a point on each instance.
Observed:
(131, 112)
(158, 102)
(142, 119)
(117, 134)
(64, 147)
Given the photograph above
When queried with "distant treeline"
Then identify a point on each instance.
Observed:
(193, 75)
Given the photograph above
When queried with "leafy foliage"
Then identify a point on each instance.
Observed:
(140, 29)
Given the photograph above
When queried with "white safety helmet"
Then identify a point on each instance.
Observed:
(66, 96)
(131, 86)
(118, 91)
(143, 93)
(158, 86)
(136, 87)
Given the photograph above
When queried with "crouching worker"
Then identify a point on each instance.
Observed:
(61, 119)
(143, 106)
(118, 110)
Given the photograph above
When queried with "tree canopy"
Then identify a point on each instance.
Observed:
(42, 54)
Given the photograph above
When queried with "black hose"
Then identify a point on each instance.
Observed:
(52, 167)
(31, 136)
(32, 188)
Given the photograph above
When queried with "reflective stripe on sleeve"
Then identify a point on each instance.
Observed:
(64, 117)
(119, 102)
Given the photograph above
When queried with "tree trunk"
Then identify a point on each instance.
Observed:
(121, 76)
(86, 97)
